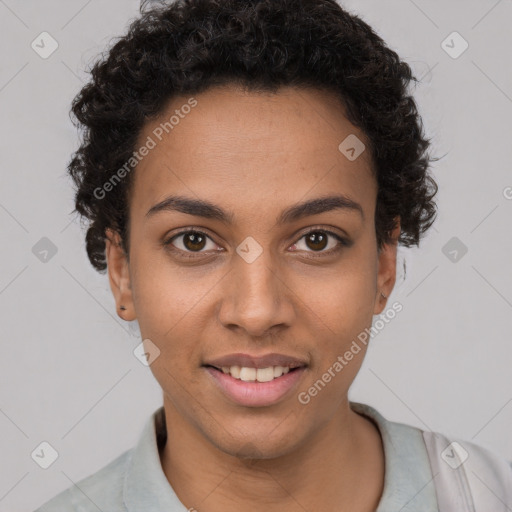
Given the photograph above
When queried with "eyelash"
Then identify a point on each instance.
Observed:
(191, 255)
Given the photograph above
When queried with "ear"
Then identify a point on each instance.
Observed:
(386, 275)
(119, 275)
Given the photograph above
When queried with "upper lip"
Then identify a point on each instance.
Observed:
(250, 361)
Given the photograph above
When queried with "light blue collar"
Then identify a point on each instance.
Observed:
(146, 487)
(408, 482)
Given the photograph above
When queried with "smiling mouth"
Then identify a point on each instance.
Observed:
(247, 374)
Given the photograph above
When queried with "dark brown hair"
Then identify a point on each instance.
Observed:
(187, 46)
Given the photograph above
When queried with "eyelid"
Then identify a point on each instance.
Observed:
(326, 229)
(343, 241)
(167, 242)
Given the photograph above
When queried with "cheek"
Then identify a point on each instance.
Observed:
(157, 293)
(344, 312)
(170, 305)
(343, 309)
(169, 314)
(344, 301)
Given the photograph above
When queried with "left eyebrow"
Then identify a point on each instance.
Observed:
(320, 205)
(206, 209)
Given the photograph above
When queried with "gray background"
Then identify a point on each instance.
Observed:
(68, 374)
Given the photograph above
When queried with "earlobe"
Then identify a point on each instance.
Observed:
(119, 275)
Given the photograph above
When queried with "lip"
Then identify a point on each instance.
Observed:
(253, 361)
(256, 394)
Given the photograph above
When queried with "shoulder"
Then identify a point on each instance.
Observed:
(102, 490)
(479, 475)
(455, 451)
(457, 472)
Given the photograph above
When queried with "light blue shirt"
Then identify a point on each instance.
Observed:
(135, 481)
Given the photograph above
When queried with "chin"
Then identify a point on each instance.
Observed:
(257, 447)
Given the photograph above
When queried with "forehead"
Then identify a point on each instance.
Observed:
(243, 148)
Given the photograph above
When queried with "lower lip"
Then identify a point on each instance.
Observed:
(255, 394)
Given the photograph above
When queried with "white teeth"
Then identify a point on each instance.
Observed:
(265, 374)
(252, 374)
(247, 374)
(235, 371)
(278, 371)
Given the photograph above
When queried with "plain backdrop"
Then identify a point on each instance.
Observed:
(68, 375)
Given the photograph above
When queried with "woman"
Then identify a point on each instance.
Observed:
(249, 169)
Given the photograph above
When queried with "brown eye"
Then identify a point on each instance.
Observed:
(320, 241)
(316, 240)
(190, 241)
(194, 241)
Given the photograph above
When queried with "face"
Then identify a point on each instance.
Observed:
(249, 272)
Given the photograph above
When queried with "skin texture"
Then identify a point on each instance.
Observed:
(255, 154)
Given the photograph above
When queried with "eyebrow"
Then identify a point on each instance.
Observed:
(208, 210)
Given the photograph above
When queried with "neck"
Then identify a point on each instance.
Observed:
(339, 467)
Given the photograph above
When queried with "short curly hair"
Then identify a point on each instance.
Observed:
(187, 46)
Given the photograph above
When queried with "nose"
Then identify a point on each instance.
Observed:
(257, 299)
